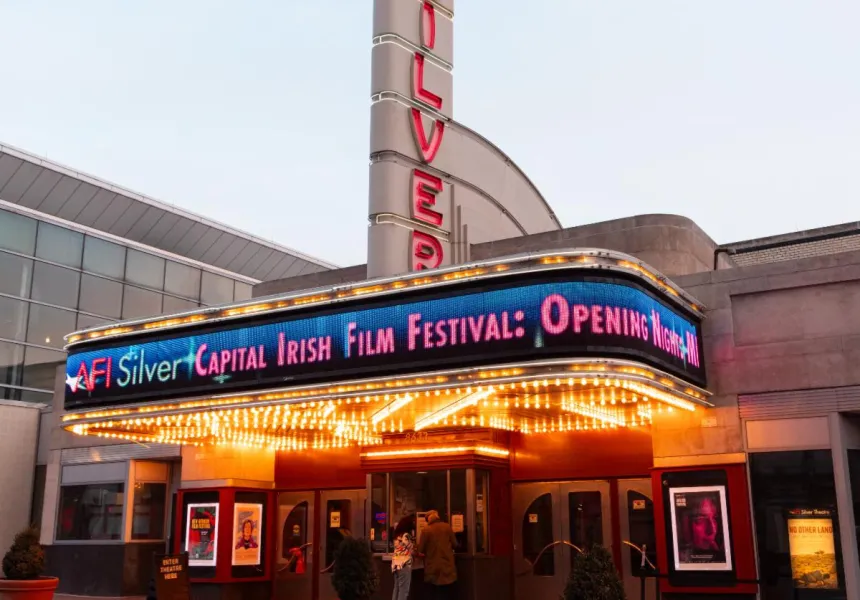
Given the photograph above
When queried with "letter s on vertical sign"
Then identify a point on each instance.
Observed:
(425, 188)
(428, 26)
(427, 251)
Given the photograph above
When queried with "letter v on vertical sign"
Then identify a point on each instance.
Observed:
(427, 148)
(426, 251)
(425, 188)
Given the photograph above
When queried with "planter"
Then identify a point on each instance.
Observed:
(28, 589)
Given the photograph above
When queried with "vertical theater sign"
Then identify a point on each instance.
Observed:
(410, 203)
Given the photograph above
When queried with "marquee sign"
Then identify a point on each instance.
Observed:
(542, 316)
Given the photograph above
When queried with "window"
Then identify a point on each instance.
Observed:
(90, 512)
(137, 303)
(11, 363)
(86, 321)
(294, 537)
(182, 280)
(336, 528)
(40, 367)
(59, 245)
(144, 269)
(101, 296)
(482, 511)
(242, 291)
(8, 393)
(177, 305)
(16, 273)
(789, 482)
(148, 517)
(47, 326)
(215, 289)
(640, 516)
(458, 509)
(538, 534)
(104, 258)
(55, 285)
(34, 397)
(17, 232)
(13, 318)
(379, 513)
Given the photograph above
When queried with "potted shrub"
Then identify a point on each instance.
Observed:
(354, 577)
(593, 577)
(23, 566)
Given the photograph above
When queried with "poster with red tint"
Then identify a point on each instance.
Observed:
(700, 528)
(201, 535)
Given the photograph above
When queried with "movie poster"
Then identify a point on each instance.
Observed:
(700, 528)
(812, 548)
(247, 529)
(201, 537)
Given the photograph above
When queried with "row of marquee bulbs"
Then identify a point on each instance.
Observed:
(276, 426)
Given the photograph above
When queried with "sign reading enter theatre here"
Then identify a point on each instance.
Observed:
(522, 322)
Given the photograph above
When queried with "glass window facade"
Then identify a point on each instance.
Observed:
(16, 274)
(144, 269)
(790, 490)
(101, 296)
(59, 245)
(399, 502)
(18, 233)
(56, 285)
(147, 521)
(215, 289)
(90, 512)
(182, 280)
(55, 280)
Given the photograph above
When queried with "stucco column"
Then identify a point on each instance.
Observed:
(840, 441)
(19, 440)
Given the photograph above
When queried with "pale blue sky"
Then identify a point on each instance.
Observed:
(741, 114)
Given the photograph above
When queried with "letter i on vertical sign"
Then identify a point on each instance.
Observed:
(427, 252)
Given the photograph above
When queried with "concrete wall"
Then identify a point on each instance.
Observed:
(672, 244)
(19, 439)
(779, 327)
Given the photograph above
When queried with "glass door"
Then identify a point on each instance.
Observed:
(295, 556)
(552, 522)
(637, 527)
(342, 515)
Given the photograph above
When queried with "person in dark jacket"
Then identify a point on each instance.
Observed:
(436, 544)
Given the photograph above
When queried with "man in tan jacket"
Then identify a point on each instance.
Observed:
(437, 545)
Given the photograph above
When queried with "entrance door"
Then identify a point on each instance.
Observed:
(637, 527)
(551, 522)
(294, 569)
(342, 514)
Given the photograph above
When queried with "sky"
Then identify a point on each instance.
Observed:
(743, 115)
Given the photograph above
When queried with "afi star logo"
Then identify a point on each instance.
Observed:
(100, 366)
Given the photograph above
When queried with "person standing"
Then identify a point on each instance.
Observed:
(436, 544)
(401, 562)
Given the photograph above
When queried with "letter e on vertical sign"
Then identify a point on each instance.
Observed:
(425, 189)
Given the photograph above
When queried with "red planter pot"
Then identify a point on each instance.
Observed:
(28, 589)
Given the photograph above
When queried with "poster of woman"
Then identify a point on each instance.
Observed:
(201, 539)
(700, 528)
(247, 529)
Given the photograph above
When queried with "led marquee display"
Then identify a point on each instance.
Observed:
(514, 321)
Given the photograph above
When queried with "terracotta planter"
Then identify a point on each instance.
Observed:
(28, 589)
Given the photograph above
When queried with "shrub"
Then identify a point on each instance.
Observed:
(26, 558)
(354, 576)
(593, 577)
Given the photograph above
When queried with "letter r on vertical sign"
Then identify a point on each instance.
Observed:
(425, 188)
(427, 251)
